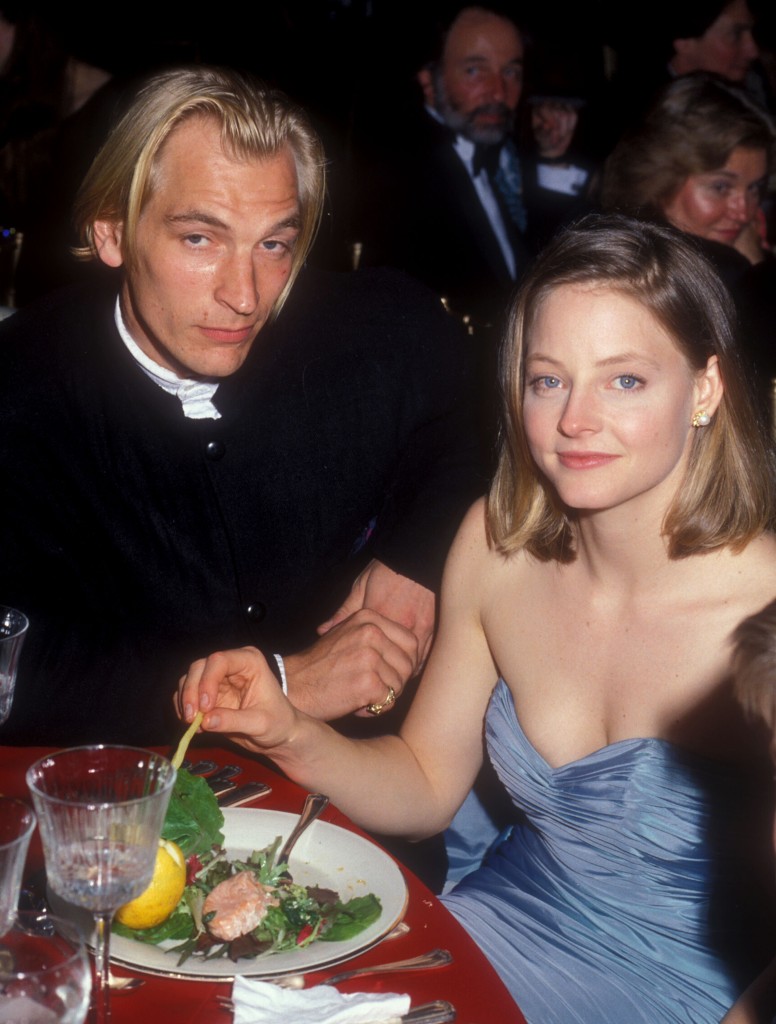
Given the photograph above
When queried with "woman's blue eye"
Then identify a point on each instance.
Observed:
(548, 382)
(627, 382)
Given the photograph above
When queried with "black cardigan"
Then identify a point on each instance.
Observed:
(137, 540)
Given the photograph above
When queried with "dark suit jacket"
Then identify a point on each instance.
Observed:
(426, 218)
(137, 540)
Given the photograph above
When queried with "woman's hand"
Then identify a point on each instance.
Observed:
(240, 696)
(749, 243)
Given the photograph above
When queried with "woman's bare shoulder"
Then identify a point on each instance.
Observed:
(475, 551)
(740, 583)
(754, 568)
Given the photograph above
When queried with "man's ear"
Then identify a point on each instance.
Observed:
(425, 79)
(107, 241)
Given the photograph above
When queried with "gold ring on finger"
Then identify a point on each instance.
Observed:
(390, 700)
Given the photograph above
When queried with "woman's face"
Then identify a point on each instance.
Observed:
(609, 399)
(718, 205)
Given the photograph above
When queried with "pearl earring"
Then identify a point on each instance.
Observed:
(701, 418)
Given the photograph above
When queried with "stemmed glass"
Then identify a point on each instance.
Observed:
(101, 810)
(13, 629)
(44, 972)
(17, 823)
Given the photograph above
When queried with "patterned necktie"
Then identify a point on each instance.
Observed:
(505, 178)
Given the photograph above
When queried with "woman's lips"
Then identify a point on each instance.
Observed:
(585, 460)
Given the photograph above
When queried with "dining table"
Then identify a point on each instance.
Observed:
(469, 983)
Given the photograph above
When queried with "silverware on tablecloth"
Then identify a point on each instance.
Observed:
(245, 794)
(439, 1012)
(423, 962)
(229, 771)
(200, 768)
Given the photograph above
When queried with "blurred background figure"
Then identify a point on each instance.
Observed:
(701, 161)
(714, 36)
(446, 203)
(677, 39)
(559, 158)
(54, 105)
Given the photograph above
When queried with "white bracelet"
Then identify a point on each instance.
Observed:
(282, 670)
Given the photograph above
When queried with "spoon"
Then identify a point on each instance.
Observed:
(314, 806)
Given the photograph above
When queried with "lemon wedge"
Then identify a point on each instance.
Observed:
(162, 896)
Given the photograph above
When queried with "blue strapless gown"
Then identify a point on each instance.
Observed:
(617, 900)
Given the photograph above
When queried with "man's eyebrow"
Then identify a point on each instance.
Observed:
(195, 217)
(200, 217)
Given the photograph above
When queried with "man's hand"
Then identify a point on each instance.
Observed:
(356, 662)
(396, 597)
(240, 696)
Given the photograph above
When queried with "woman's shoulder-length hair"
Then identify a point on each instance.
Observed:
(693, 127)
(727, 495)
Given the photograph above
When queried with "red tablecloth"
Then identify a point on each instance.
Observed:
(470, 983)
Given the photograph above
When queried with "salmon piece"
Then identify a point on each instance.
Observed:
(240, 903)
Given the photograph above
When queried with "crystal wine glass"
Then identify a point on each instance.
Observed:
(17, 823)
(101, 810)
(44, 972)
(13, 629)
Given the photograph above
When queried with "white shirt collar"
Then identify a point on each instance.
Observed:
(195, 396)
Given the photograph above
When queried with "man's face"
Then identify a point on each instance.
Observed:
(214, 247)
(726, 48)
(477, 86)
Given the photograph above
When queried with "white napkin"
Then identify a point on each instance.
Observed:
(259, 1002)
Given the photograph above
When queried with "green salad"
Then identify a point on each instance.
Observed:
(240, 908)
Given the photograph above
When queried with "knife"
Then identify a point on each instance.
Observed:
(438, 1012)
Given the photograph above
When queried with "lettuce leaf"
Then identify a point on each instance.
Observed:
(176, 926)
(352, 917)
(194, 820)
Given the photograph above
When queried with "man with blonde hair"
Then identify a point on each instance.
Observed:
(202, 460)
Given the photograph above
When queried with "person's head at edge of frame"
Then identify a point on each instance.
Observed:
(711, 35)
(726, 494)
(754, 671)
(208, 194)
(472, 76)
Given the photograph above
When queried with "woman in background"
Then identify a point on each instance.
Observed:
(699, 161)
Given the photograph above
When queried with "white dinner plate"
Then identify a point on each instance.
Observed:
(326, 855)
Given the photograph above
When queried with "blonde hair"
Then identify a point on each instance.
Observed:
(754, 664)
(256, 123)
(727, 496)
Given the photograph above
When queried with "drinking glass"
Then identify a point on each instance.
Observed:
(101, 810)
(17, 823)
(44, 972)
(13, 628)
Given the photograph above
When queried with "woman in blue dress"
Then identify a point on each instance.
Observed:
(585, 619)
